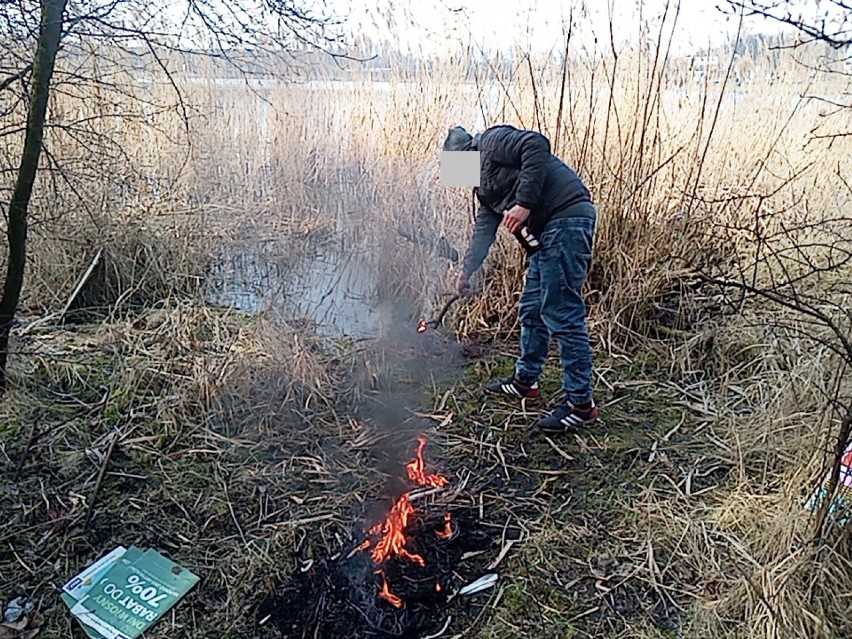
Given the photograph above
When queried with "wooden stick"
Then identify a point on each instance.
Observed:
(437, 321)
(84, 278)
(23, 460)
(91, 509)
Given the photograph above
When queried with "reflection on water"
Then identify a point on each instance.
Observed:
(242, 279)
(332, 288)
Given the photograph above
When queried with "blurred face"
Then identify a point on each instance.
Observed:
(460, 169)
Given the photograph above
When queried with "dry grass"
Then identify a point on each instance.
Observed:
(235, 459)
(250, 444)
(767, 431)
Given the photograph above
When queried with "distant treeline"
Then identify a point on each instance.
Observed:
(381, 61)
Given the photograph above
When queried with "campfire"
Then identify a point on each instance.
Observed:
(392, 532)
(391, 583)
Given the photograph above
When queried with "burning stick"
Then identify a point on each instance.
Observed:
(393, 530)
(424, 325)
(394, 539)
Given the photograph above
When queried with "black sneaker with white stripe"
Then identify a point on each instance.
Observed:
(568, 417)
(513, 388)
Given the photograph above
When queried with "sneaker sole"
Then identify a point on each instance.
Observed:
(567, 428)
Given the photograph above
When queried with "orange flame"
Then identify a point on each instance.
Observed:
(447, 532)
(393, 533)
(385, 593)
(416, 468)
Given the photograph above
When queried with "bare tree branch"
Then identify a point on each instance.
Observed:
(836, 33)
(14, 78)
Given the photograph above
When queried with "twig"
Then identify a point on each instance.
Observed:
(34, 435)
(758, 591)
(301, 522)
(414, 496)
(502, 555)
(561, 452)
(439, 319)
(840, 446)
(441, 631)
(30, 439)
(90, 511)
(503, 461)
(15, 77)
(676, 428)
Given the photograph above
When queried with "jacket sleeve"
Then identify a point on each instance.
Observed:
(531, 151)
(484, 233)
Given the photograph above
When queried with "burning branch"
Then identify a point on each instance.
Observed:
(393, 540)
(447, 532)
(437, 321)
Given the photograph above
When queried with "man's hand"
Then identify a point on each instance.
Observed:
(463, 284)
(515, 217)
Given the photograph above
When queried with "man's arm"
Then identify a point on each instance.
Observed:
(484, 233)
(535, 154)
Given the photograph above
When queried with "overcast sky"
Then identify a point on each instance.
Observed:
(433, 25)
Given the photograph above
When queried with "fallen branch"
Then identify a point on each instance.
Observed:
(23, 460)
(93, 500)
(81, 283)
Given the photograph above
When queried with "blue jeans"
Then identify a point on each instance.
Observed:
(552, 306)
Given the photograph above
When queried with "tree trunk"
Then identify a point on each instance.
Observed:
(50, 32)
